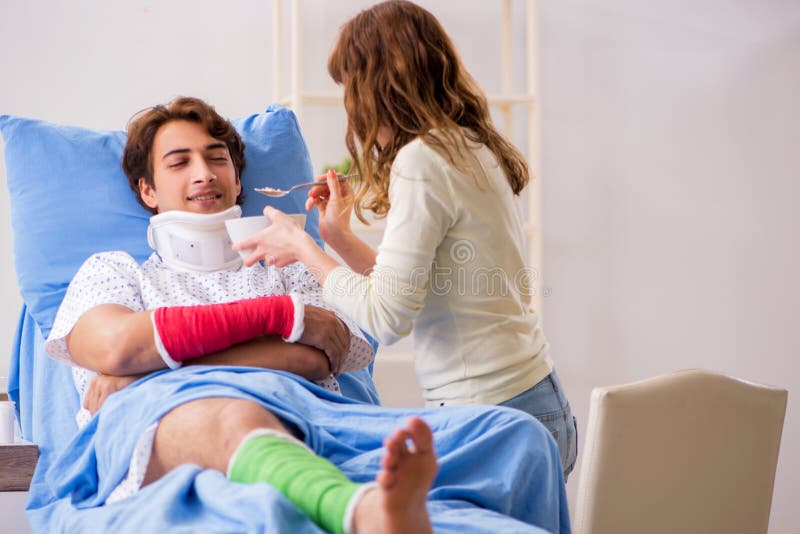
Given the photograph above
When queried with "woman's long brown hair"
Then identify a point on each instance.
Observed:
(400, 71)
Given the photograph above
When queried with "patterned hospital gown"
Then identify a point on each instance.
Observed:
(116, 278)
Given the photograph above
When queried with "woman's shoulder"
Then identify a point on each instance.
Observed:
(414, 149)
(418, 159)
(442, 148)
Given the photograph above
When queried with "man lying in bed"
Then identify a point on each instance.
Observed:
(198, 305)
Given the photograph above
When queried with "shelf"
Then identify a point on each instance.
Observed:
(17, 464)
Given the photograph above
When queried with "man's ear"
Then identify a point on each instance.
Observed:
(148, 194)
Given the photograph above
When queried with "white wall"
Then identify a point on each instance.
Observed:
(671, 176)
(668, 168)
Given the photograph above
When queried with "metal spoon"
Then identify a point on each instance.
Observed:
(276, 193)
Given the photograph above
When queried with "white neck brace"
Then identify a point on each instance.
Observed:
(194, 241)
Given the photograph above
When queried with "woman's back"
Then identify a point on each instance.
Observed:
(476, 338)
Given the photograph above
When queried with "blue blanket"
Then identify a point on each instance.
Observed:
(499, 468)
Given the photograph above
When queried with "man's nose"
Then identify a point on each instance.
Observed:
(203, 173)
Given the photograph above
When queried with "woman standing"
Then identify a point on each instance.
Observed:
(451, 262)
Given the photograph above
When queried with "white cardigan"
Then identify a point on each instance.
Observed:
(451, 265)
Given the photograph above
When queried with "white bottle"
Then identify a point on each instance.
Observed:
(7, 422)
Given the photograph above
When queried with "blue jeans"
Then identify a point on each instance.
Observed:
(547, 402)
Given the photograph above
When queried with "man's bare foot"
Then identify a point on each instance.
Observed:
(398, 505)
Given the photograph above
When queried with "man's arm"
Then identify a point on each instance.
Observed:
(114, 340)
(268, 352)
(271, 352)
(299, 280)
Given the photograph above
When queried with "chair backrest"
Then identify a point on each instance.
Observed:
(687, 452)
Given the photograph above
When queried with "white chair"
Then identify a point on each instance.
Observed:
(687, 452)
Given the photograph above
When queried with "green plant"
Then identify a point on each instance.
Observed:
(342, 168)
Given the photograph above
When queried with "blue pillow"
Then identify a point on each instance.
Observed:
(69, 197)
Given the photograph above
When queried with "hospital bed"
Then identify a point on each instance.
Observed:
(93, 211)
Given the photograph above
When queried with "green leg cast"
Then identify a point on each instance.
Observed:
(310, 482)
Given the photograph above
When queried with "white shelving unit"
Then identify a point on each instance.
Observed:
(505, 103)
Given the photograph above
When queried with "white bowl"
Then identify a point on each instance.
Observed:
(243, 227)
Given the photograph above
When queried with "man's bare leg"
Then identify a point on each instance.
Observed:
(205, 432)
(398, 505)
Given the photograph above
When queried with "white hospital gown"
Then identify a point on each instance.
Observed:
(116, 278)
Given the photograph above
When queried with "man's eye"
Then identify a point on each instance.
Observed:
(177, 164)
(220, 158)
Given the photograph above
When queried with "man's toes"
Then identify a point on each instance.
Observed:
(386, 479)
(420, 434)
(396, 443)
(390, 461)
